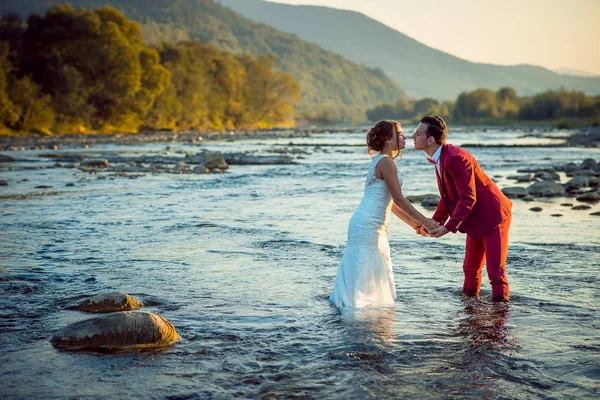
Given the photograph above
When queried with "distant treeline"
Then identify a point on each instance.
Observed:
(502, 105)
(87, 70)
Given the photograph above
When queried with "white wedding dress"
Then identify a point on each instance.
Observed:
(364, 276)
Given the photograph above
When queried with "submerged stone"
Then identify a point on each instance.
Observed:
(127, 330)
(590, 197)
(546, 189)
(98, 162)
(430, 201)
(514, 192)
(108, 302)
(581, 207)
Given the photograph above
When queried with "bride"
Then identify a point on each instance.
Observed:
(364, 276)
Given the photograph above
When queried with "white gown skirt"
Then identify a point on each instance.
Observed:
(364, 276)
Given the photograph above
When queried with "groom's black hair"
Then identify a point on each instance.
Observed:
(436, 127)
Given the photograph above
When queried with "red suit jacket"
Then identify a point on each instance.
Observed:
(473, 202)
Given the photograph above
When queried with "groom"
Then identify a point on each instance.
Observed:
(470, 203)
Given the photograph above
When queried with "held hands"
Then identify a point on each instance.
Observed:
(438, 232)
(420, 229)
(431, 228)
(425, 229)
(430, 224)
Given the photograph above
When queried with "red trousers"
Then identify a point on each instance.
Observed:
(493, 250)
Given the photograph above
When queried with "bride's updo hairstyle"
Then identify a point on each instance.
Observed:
(381, 133)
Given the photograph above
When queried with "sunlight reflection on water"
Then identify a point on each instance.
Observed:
(242, 264)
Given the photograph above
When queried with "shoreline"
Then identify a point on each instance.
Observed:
(580, 137)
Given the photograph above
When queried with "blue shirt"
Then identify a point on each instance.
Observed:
(436, 157)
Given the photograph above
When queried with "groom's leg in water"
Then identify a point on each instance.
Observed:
(496, 251)
(473, 265)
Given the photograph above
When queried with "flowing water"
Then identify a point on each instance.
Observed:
(243, 263)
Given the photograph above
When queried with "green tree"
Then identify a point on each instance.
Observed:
(480, 103)
(94, 65)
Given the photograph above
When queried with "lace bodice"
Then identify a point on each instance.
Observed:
(372, 177)
(372, 214)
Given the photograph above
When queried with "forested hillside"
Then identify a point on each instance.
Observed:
(333, 88)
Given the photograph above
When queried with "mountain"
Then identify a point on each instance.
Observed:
(575, 72)
(420, 70)
(333, 88)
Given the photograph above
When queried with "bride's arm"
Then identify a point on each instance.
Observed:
(404, 217)
(389, 173)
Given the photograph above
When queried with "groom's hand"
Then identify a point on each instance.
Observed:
(438, 232)
(431, 224)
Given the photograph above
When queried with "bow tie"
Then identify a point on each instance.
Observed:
(431, 160)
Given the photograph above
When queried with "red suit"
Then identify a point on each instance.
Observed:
(478, 208)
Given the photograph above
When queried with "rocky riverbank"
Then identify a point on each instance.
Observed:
(581, 137)
(56, 142)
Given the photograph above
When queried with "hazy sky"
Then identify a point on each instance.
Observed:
(551, 33)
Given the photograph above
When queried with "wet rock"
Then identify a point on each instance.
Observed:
(596, 214)
(43, 187)
(216, 171)
(521, 178)
(128, 330)
(535, 170)
(3, 183)
(589, 163)
(594, 181)
(546, 189)
(430, 201)
(210, 159)
(416, 198)
(247, 159)
(556, 215)
(570, 167)
(577, 183)
(95, 162)
(566, 204)
(581, 207)
(5, 158)
(201, 169)
(70, 184)
(536, 209)
(547, 175)
(590, 197)
(587, 172)
(528, 198)
(108, 302)
(577, 192)
(181, 167)
(63, 157)
(515, 192)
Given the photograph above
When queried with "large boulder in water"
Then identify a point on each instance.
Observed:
(128, 330)
(209, 159)
(108, 302)
(578, 182)
(589, 197)
(430, 201)
(5, 158)
(546, 189)
(250, 159)
(514, 192)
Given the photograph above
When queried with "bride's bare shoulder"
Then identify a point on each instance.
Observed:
(386, 166)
